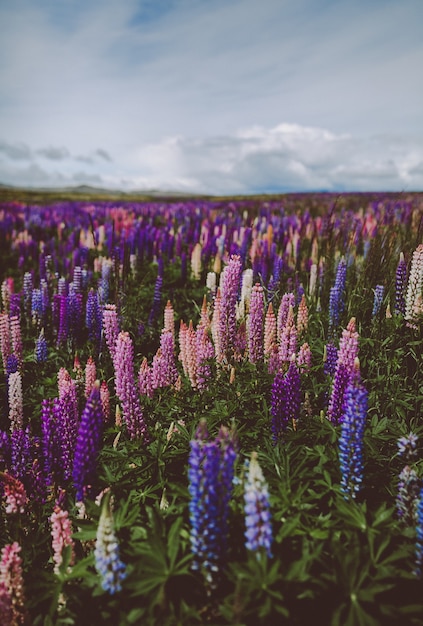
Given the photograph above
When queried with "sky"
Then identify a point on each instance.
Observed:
(212, 96)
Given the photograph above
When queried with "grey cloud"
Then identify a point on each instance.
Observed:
(84, 159)
(16, 151)
(54, 153)
(84, 177)
(103, 154)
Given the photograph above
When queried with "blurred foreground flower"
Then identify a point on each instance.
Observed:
(106, 553)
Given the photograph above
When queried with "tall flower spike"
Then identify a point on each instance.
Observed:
(61, 533)
(351, 439)
(414, 288)
(400, 285)
(15, 401)
(210, 474)
(378, 299)
(111, 327)
(286, 400)
(258, 533)
(255, 325)
(269, 331)
(11, 579)
(126, 388)
(344, 370)
(229, 295)
(88, 444)
(107, 559)
(90, 376)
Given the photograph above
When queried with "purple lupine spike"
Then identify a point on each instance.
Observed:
(157, 300)
(41, 350)
(62, 334)
(126, 388)
(337, 296)
(111, 327)
(65, 411)
(88, 445)
(287, 302)
(12, 364)
(15, 305)
(344, 371)
(286, 400)
(163, 369)
(93, 316)
(400, 285)
(75, 315)
(351, 439)
(5, 450)
(330, 359)
(20, 444)
(48, 433)
(256, 325)
(229, 294)
(210, 474)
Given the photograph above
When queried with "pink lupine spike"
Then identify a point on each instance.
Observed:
(288, 300)
(304, 358)
(14, 493)
(61, 533)
(105, 400)
(183, 329)
(4, 338)
(144, 379)
(16, 338)
(191, 355)
(90, 376)
(269, 331)
(11, 577)
(288, 338)
(302, 316)
(169, 318)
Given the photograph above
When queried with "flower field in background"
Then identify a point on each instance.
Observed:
(211, 412)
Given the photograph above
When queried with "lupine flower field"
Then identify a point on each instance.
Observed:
(212, 411)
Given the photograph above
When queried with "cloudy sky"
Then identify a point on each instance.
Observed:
(212, 96)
